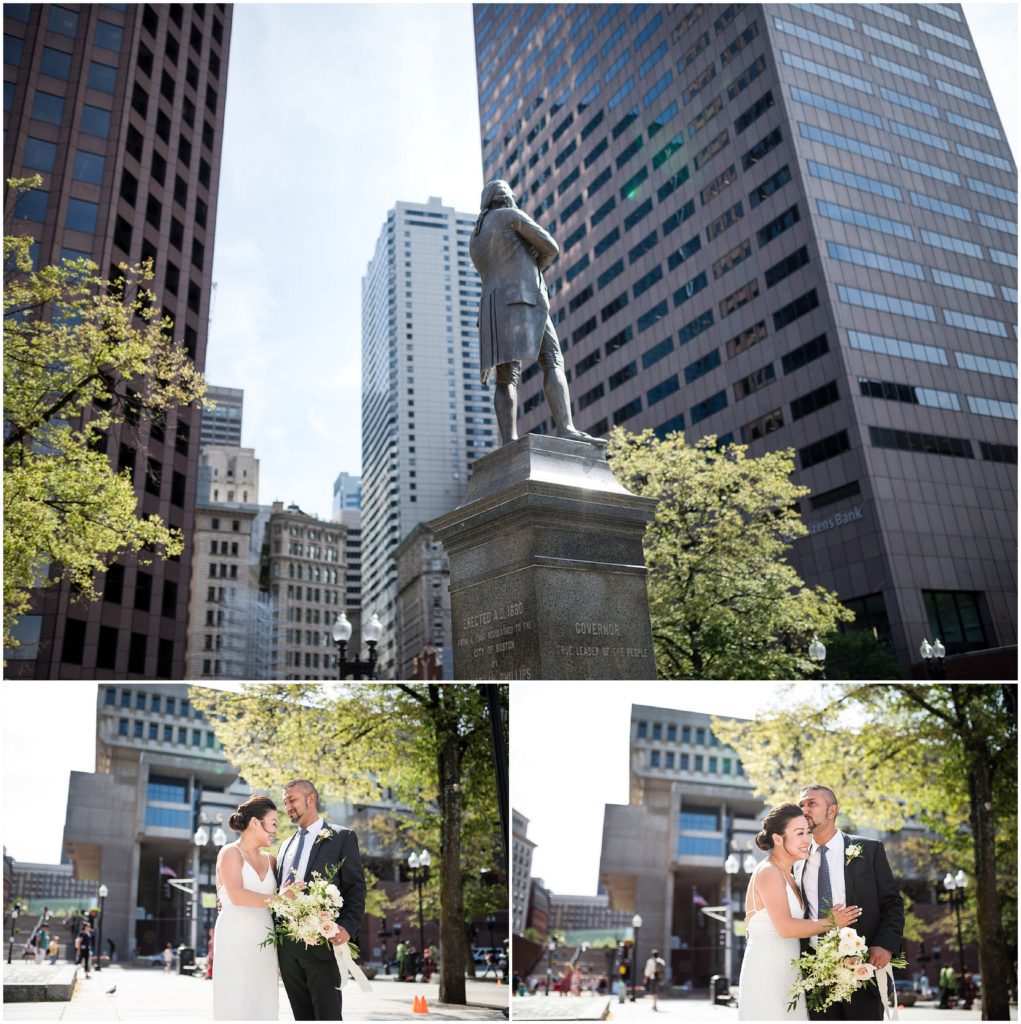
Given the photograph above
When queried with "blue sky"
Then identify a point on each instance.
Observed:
(334, 112)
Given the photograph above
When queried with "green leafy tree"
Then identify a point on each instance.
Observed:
(82, 355)
(943, 756)
(859, 654)
(428, 744)
(725, 603)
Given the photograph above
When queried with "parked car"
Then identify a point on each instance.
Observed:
(906, 994)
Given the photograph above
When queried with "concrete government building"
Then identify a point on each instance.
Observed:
(120, 108)
(788, 226)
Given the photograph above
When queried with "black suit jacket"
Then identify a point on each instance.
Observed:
(869, 884)
(339, 853)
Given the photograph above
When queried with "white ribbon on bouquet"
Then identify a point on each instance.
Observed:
(347, 966)
(884, 981)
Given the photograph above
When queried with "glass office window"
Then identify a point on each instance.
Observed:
(108, 35)
(818, 39)
(925, 202)
(31, 205)
(88, 167)
(929, 170)
(885, 225)
(886, 303)
(897, 347)
(63, 21)
(1004, 259)
(979, 127)
(39, 154)
(836, 107)
(82, 215)
(102, 77)
(982, 157)
(974, 285)
(964, 94)
(996, 191)
(984, 364)
(907, 131)
(939, 33)
(958, 65)
(998, 223)
(899, 69)
(95, 121)
(55, 63)
(859, 181)
(875, 260)
(48, 107)
(911, 102)
(822, 71)
(970, 322)
(829, 14)
(991, 407)
(893, 40)
(951, 244)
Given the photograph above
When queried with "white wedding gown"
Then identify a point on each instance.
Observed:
(767, 976)
(245, 985)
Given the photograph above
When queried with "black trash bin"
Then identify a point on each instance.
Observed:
(185, 960)
(719, 990)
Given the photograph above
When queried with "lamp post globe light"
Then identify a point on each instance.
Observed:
(955, 886)
(419, 864)
(817, 652)
(933, 655)
(102, 892)
(636, 924)
(357, 668)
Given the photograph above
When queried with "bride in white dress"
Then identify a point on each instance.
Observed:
(776, 920)
(245, 984)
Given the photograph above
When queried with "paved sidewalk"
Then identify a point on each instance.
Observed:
(149, 994)
(570, 1008)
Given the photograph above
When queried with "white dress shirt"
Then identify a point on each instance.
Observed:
(292, 848)
(810, 878)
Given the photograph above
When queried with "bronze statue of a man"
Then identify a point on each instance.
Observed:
(510, 252)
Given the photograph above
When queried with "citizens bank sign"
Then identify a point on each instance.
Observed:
(835, 520)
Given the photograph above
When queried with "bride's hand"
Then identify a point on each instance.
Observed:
(291, 890)
(845, 917)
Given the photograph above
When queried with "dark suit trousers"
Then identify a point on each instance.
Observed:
(312, 980)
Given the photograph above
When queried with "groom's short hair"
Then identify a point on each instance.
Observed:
(305, 786)
(831, 797)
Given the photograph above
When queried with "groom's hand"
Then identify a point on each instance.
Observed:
(879, 957)
(342, 936)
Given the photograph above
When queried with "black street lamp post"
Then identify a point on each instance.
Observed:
(955, 886)
(102, 893)
(15, 912)
(636, 923)
(419, 864)
(551, 952)
(357, 668)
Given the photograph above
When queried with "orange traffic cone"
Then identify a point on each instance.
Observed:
(420, 1006)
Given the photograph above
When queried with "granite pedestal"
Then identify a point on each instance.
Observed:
(547, 571)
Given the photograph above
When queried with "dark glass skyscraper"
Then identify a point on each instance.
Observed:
(120, 108)
(789, 226)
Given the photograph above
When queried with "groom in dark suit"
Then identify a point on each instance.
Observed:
(311, 975)
(851, 870)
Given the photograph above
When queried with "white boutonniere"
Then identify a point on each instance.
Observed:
(325, 833)
(851, 853)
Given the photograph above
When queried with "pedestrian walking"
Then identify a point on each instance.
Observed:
(654, 973)
(42, 943)
(168, 958)
(53, 950)
(947, 986)
(969, 990)
(83, 947)
(401, 954)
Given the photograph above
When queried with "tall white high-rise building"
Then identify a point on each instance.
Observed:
(425, 416)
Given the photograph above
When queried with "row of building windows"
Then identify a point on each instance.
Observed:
(699, 735)
(698, 763)
(155, 733)
(155, 703)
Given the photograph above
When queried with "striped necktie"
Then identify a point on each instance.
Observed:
(301, 846)
(825, 889)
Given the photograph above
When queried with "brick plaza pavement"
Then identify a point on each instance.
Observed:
(555, 1008)
(144, 994)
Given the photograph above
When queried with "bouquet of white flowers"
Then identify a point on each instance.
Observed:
(836, 970)
(308, 915)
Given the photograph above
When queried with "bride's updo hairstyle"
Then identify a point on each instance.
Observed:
(257, 807)
(775, 823)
